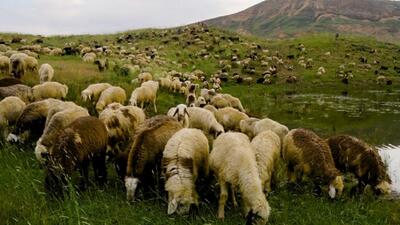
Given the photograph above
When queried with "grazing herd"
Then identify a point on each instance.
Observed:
(208, 135)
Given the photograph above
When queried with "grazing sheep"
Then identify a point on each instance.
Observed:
(191, 99)
(233, 161)
(49, 89)
(230, 118)
(219, 102)
(176, 85)
(54, 126)
(93, 92)
(102, 64)
(253, 126)
(204, 120)
(207, 94)
(31, 64)
(211, 108)
(121, 123)
(89, 57)
(8, 81)
(4, 65)
(184, 157)
(142, 95)
(355, 156)
(166, 83)
(33, 118)
(56, 52)
(19, 90)
(82, 142)
(180, 113)
(10, 109)
(110, 95)
(307, 154)
(267, 147)
(146, 151)
(234, 102)
(46, 73)
(18, 66)
(143, 77)
(200, 102)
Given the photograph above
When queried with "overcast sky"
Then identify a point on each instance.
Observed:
(50, 17)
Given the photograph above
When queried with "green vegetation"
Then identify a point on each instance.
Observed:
(362, 108)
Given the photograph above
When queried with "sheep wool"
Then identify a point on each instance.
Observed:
(204, 120)
(46, 73)
(10, 109)
(4, 65)
(50, 89)
(146, 151)
(306, 153)
(180, 113)
(353, 155)
(230, 118)
(19, 90)
(253, 127)
(110, 95)
(185, 155)
(93, 92)
(233, 161)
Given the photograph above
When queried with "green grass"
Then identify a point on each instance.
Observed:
(305, 104)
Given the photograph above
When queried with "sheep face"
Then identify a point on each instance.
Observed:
(180, 203)
(131, 184)
(258, 216)
(383, 188)
(180, 113)
(55, 182)
(336, 187)
(217, 130)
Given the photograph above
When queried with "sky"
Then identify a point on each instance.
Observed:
(52, 17)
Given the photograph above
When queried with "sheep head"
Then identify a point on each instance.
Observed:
(131, 184)
(336, 187)
(383, 188)
(181, 201)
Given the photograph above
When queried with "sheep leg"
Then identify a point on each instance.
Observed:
(100, 169)
(222, 199)
(84, 180)
(235, 204)
(155, 107)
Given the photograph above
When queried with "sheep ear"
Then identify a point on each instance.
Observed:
(332, 191)
(172, 206)
(186, 112)
(176, 111)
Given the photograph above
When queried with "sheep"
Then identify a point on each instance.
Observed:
(46, 73)
(143, 77)
(146, 151)
(8, 81)
(219, 102)
(233, 161)
(230, 118)
(305, 153)
(10, 109)
(102, 64)
(200, 102)
(180, 113)
(31, 63)
(82, 142)
(184, 157)
(33, 119)
(110, 95)
(204, 120)
(207, 94)
(354, 155)
(93, 92)
(191, 99)
(147, 93)
(49, 89)
(18, 66)
(56, 52)
(19, 90)
(89, 57)
(267, 147)
(234, 102)
(176, 85)
(54, 126)
(4, 65)
(121, 122)
(253, 126)
(165, 82)
(211, 108)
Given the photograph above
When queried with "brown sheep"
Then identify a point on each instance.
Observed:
(306, 153)
(8, 81)
(82, 142)
(18, 67)
(355, 156)
(146, 151)
(19, 90)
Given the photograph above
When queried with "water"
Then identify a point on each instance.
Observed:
(391, 157)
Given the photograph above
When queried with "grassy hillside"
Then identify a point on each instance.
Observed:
(324, 104)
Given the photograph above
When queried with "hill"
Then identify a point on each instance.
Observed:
(275, 18)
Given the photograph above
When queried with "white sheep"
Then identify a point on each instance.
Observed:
(31, 63)
(200, 102)
(184, 157)
(180, 113)
(4, 65)
(234, 102)
(46, 73)
(230, 118)
(176, 85)
(204, 120)
(211, 108)
(89, 57)
(121, 122)
(142, 95)
(143, 77)
(110, 95)
(219, 101)
(93, 92)
(19, 90)
(49, 89)
(58, 122)
(207, 94)
(233, 161)
(165, 82)
(10, 110)
(254, 126)
(267, 147)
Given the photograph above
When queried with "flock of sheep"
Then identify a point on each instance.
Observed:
(209, 133)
